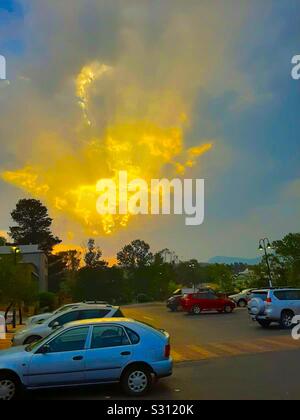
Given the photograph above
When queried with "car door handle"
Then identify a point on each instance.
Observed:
(77, 358)
(126, 353)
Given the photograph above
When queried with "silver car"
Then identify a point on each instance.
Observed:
(242, 298)
(275, 305)
(36, 332)
(89, 352)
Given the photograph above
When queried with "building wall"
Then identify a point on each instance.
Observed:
(41, 262)
(32, 255)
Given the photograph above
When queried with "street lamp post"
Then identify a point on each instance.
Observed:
(16, 251)
(264, 245)
(192, 266)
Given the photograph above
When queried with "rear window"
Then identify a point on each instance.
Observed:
(287, 295)
(118, 314)
(93, 313)
(260, 295)
(134, 338)
(159, 330)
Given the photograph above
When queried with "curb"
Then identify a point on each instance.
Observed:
(138, 305)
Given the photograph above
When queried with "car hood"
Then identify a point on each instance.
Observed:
(41, 316)
(14, 353)
(234, 296)
(32, 329)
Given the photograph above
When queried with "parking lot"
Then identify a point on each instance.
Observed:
(216, 356)
(213, 335)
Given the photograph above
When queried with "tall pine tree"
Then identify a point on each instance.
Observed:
(32, 225)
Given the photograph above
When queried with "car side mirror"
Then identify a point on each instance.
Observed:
(55, 325)
(45, 349)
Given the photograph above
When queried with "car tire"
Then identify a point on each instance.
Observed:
(286, 319)
(228, 309)
(32, 339)
(264, 323)
(136, 381)
(242, 303)
(196, 310)
(10, 387)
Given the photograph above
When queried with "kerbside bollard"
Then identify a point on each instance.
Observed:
(2, 328)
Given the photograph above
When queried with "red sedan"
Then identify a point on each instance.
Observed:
(195, 303)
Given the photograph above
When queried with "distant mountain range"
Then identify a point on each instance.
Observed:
(232, 260)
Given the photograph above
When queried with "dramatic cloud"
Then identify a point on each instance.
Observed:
(136, 82)
(158, 88)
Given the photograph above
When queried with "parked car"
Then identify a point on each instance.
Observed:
(242, 298)
(188, 290)
(9, 319)
(196, 303)
(174, 303)
(89, 352)
(35, 332)
(278, 305)
(36, 319)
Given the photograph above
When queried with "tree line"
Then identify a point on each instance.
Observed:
(138, 275)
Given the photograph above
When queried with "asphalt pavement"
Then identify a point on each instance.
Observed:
(216, 357)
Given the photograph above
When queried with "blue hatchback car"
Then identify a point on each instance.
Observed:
(89, 352)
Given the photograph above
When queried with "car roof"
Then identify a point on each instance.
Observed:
(82, 308)
(99, 321)
(260, 290)
(95, 306)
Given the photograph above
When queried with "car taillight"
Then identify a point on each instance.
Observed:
(269, 300)
(167, 351)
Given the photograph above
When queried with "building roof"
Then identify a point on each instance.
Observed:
(25, 249)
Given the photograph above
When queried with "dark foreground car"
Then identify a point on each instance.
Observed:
(174, 303)
(196, 303)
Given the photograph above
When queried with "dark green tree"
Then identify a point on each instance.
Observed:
(287, 252)
(93, 256)
(63, 268)
(17, 285)
(32, 225)
(136, 254)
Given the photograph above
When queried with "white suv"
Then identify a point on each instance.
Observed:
(37, 319)
(278, 305)
(31, 334)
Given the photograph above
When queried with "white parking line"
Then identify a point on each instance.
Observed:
(149, 319)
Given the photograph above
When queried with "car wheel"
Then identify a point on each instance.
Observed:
(9, 388)
(196, 310)
(137, 381)
(32, 339)
(228, 309)
(242, 303)
(263, 323)
(286, 320)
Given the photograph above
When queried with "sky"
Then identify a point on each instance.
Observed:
(186, 75)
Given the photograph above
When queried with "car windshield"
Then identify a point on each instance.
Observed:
(177, 292)
(34, 346)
